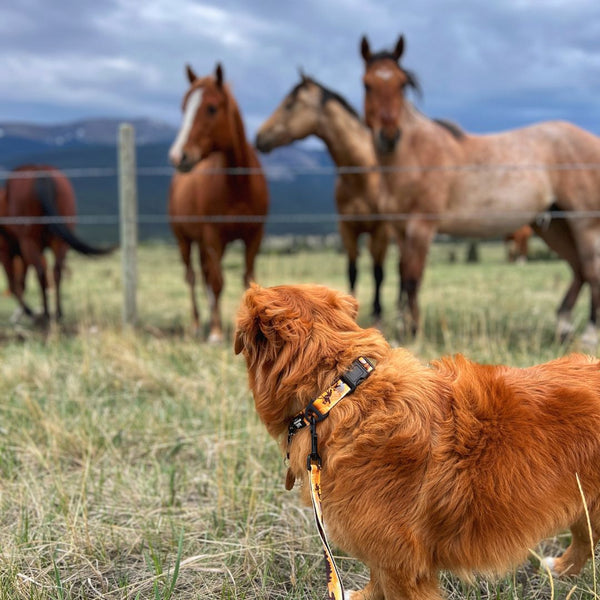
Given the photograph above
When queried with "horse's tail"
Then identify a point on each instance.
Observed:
(46, 193)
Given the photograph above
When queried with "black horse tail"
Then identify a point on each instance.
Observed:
(46, 193)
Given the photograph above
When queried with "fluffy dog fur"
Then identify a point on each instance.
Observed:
(451, 465)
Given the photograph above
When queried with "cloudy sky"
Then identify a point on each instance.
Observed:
(487, 64)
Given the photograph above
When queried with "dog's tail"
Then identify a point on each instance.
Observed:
(45, 189)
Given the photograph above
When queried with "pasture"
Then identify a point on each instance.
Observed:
(132, 464)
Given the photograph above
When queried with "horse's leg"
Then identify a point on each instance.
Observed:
(399, 237)
(559, 237)
(252, 246)
(211, 253)
(185, 250)
(415, 246)
(15, 281)
(33, 255)
(587, 239)
(59, 249)
(378, 245)
(350, 242)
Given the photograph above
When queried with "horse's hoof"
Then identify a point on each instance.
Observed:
(215, 337)
(564, 329)
(17, 315)
(42, 321)
(589, 339)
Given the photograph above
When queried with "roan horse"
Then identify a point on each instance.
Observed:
(442, 179)
(209, 204)
(312, 109)
(38, 207)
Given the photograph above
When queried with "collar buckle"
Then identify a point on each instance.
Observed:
(361, 369)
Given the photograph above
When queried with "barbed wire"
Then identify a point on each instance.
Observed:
(277, 172)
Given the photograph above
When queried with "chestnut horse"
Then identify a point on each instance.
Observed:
(517, 244)
(312, 109)
(442, 179)
(38, 207)
(209, 203)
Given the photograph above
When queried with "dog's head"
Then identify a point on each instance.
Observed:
(293, 338)
(287, 315)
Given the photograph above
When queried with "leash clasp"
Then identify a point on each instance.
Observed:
(313, 458)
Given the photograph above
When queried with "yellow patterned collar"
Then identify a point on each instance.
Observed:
(319, 408)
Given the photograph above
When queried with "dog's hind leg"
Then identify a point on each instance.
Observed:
(579, 551)
(372, 591)
(397, 587)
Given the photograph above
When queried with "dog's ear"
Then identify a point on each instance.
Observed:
(340, 301)
(239, 343)
(247, 332)
(349, 304)
(271, 317)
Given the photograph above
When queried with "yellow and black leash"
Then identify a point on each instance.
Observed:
(315, 412)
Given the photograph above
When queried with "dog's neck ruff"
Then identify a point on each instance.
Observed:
(315, 412)
(319, 408)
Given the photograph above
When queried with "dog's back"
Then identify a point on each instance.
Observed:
(509, 453)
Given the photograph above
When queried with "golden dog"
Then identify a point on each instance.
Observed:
(452, 465)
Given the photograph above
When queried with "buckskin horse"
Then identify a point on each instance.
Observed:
(39, 210)
(312, 109)
(218, 193)
(442, 179)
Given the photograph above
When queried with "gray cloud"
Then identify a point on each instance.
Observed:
(489, 65)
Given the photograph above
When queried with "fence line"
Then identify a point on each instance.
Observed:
(300, 218)
(277, 172)
(129, 219)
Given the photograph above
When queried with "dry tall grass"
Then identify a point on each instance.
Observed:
(132, 464)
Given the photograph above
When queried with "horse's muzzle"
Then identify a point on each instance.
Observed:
(262, 143)
(386, 142)
(185, 165)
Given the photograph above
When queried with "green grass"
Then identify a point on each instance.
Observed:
(132, 463)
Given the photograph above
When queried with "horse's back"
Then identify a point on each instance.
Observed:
(549, 142)
(23, 191)
(521, 173)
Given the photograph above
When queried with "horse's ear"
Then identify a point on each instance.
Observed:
(365, 50)
(190, 74)
(219, 75)
(302, 74)
(399, 49)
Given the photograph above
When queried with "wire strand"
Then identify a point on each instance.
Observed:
(277, 172)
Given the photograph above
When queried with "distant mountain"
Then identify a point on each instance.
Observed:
(300, 180)
(89, 131)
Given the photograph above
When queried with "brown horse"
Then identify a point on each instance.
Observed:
(38, 208)
(18, 267)
(209, 205)
(517, 244)
(442, 179)
(312, 109)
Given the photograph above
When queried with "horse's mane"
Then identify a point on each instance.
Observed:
(241, 151)
(456, 130)
(451, 127)
(326, 95)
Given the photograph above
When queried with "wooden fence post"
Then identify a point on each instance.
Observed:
(128, 221)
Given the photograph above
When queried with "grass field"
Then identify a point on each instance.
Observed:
(132, 464)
